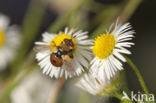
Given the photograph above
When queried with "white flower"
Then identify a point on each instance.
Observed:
(69, 63)
(9, 41)
(92, 85)
(108, 49)
(31, 90)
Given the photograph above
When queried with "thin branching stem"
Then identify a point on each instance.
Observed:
(56, 88)
(140, 78)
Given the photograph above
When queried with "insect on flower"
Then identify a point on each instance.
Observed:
(62, 53)
(65, 53)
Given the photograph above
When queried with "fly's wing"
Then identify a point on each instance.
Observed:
(42, 48)
(68, 64)
(69, 67)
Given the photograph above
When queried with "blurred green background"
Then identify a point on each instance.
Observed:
(143, 53)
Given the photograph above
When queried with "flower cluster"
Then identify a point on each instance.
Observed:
(70, 52)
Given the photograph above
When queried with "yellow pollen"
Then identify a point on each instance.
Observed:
(2, 39)
(57, 40)
(104, 45)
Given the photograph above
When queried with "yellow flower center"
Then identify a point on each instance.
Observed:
(57, 40)
(1, 38)
(103, 45)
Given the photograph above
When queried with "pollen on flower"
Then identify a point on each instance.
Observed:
(104, 45)
(1, 38)
(57, 40)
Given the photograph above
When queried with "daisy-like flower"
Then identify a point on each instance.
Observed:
(30, 90)
(9, 41)
(108, 49)
(96, 87)
(68, 55)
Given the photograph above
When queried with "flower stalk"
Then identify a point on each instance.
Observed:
(56, 88)
(140, 78)
(119, 96)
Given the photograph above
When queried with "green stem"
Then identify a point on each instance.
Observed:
(62, 20)
(128, 10)
(55, 90)
(30, 28)
(125, 10)
(119, 96)
(140, 78)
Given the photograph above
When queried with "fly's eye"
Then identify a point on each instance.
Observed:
(66, 40)
(69, 42)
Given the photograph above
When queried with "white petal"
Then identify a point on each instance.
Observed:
(71, 31)
(41, 43)
(4, 22)
(66, 30)
(77, 33)
(119, 56)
